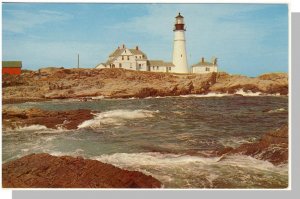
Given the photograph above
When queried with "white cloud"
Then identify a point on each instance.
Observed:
(18, 21)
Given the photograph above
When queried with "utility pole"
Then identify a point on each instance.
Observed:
(78, 61)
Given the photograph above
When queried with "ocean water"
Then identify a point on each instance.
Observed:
(169, 138)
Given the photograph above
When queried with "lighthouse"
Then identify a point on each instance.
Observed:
(179, 51)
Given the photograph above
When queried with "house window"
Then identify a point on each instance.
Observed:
(140, 66)
(120, 65)
(207, 69)
(157, 67)
(127, 57)
(169, 68)
(122, 57)
(140, 57)
(153, 67)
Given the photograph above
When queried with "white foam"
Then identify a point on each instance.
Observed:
(277, 110)
(212, 94)
(171, 160)
(247, 93)
(98, 97)
(178, 170)
(116, 117)
(35, 127)
(156, 97)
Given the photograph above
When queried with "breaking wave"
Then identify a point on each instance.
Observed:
(116, 117)
(277, 110)
(247, 93)
(207, 95)
(98, 97)
(35, 127)
(176, 170)
(240, 92)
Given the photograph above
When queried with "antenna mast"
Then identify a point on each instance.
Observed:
(78, 61)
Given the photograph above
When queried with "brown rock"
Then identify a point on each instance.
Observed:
(273, 147)
(46, 171)
(51, 119)
(59, 83)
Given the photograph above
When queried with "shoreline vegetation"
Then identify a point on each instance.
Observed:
(59, 83)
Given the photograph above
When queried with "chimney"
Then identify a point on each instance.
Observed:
(137, 47)
(123, 46)
(202, 60)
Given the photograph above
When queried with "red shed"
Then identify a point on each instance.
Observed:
(11, 67)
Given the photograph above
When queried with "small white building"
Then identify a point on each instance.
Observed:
(160, 66)
(205, 67)
(131, 59)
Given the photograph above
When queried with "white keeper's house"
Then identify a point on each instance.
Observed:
(134, 59)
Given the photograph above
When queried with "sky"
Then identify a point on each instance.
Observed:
(247, 39)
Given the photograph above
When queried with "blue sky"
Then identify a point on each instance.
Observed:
(248, 39)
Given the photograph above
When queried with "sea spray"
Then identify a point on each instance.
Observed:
(179, 170)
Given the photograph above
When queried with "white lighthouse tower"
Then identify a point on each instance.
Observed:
(179, 51)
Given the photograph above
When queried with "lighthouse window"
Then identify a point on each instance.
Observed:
(181, 55)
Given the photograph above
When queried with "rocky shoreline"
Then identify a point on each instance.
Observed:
(272, 147)
(59, 83)
(13, 118)
(44, 170)
(47, 171)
